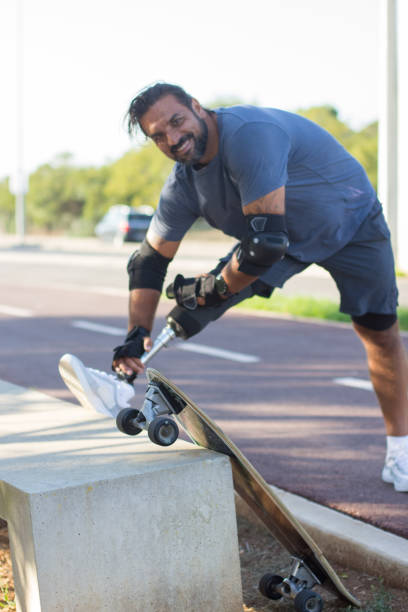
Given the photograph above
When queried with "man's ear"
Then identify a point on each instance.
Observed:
(196, 106)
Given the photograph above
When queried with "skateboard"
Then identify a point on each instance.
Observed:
(164, 408)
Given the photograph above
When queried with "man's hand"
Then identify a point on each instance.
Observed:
(203, 290)
(126, 357)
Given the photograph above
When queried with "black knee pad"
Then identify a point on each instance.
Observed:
(377, 322)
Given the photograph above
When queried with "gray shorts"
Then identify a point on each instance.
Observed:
(363, 270)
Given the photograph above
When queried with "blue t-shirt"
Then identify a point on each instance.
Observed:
(328, 194)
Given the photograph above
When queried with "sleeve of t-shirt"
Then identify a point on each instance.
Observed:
(174, 215)
(257, 158)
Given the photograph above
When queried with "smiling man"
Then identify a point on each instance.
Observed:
(182, 138)
(291, 195)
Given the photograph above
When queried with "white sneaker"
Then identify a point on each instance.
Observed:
(395, 471)
(94, 389)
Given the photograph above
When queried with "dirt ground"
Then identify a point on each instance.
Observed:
(259, 554)
(6, 576)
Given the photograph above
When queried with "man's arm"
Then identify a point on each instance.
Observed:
(143, 304)
(271, 204)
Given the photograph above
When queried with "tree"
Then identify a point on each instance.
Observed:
(55, 195)
(137, 177)
(7, 207)
(96, 203)
(362, 145)
(224, 101)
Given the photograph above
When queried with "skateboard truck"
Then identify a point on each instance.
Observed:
(297, 587)
(153, 417)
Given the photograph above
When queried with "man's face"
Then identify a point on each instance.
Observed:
(178, 131)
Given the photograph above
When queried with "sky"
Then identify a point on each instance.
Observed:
(84, 60)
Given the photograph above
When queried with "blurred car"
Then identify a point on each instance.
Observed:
(124, 224)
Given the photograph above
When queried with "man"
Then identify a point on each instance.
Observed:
(292, 196)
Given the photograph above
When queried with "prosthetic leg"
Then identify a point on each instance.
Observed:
(154, 414)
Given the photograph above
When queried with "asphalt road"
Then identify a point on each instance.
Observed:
(275, 391)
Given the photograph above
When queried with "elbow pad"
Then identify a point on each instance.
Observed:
(266, 243)
(147, 268)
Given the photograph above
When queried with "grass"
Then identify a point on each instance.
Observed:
(303, 306)
(381, 601)
(5, 601)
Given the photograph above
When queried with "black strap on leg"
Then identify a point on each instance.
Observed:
(183, 290)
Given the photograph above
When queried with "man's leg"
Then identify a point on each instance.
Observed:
(364, 272)
(388, 367)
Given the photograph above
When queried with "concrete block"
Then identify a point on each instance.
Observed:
(101, 521)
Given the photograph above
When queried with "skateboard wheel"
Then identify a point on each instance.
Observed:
(268, 584)
(125, 421)
(308, 601)
(163, 431)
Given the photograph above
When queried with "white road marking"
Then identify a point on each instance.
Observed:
(102, 329)
(186, 346)
(216, 352)
(113, 291)
(358, 383)
(15, 312)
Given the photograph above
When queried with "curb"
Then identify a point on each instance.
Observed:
(344, 539)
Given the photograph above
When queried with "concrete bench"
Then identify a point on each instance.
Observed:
(101, 521)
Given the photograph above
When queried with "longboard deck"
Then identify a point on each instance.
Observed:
(250, 485)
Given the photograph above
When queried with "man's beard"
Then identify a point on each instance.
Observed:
(199, 144)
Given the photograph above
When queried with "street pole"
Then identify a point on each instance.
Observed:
(402, 195)
(388, 120)
(20, 186)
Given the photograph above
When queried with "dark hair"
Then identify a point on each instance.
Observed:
(149, 96)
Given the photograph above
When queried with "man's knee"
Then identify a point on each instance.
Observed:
(377, 330)
(375, 322)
